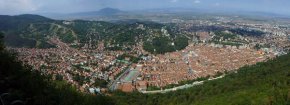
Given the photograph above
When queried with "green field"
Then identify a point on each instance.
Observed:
(131, 76)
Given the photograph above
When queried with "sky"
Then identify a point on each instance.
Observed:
(13, 7)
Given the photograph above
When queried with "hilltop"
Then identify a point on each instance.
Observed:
(34, 31)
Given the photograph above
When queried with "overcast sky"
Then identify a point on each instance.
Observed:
(12, 7)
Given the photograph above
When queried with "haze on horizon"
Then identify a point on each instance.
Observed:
(13, 7)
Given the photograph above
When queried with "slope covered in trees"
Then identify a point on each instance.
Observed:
(35, 31)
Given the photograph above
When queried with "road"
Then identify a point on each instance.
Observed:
(114, 85)
(180, 87)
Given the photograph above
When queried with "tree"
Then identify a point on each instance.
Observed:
(1, 41)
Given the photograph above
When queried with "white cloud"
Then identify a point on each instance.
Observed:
(217, 4)
(174, 1)
(196, 1)
(16, 6)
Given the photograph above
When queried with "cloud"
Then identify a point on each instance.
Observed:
(17, 6)
(174, 1)
(217, 4)
(196, 1)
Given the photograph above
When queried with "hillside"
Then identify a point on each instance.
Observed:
(15, 26)
(36, 31)
(14, 22)
(263, 83)
(22, 85)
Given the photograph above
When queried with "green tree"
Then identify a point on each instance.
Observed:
(1, 41)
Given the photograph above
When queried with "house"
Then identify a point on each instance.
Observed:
(95, 90)
(126, 87)
(141, 85)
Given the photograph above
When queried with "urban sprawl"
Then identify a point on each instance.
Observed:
(100, 70)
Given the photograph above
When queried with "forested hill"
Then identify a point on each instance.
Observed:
(261, 84)
(36, 31)
(14, 22)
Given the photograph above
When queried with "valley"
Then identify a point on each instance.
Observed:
(98, 57)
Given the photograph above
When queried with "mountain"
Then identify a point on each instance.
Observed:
(13, 22)
(36, 31)
(102, 12)
(21, 30)
(113, 14)
(87, 15)
(109, 11)
(32, 17)
(15, 26)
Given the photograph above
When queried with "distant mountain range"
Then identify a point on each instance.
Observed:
(85, 15)
(113, 12)
(102, 12)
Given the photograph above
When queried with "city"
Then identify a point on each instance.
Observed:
(141, 70)
(144, 52)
